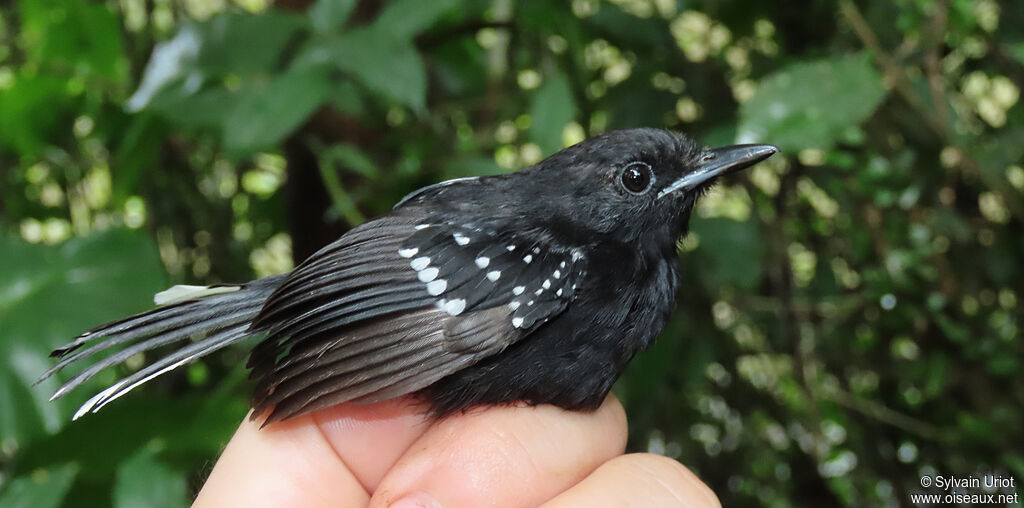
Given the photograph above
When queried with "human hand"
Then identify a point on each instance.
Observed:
(388, 454)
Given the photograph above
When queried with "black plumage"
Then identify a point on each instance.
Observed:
(537, 286)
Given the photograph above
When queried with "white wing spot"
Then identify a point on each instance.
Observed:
(455, 307)
(421, 226)
(517, 322)
(420, 263)
(577, 255)
(510, 248)
(408, 253)
(518, 290)
(527, 258)
(428, 274)
(559, 292)
(437, 287)
(546, 284)
(529, 302)
(514, 304)
(483, 261)
(536, 250)
(557, 274)
(539, 291)
(562, 264)
(460, 238)
(493, 275)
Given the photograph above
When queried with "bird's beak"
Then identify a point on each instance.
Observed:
(717, 162)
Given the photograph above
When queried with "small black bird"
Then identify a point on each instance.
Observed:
(537, 286)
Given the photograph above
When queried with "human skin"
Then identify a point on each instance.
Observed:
(391, 455)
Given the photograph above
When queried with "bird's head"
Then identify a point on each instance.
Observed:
(630, 182)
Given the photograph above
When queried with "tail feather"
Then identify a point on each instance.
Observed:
(161, 331)
(237, 315)
(184, 310)
(165, 364)
(220, 319)
(120, 326)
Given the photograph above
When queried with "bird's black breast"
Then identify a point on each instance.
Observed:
(573, 360)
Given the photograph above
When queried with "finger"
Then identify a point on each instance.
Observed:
(285, 464)
(503, 456)
(332, 457)
(371, 438)
(639, 479)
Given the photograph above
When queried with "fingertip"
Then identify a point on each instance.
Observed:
(676, 478)
(639, 479)
(285, 464)
(616, 420)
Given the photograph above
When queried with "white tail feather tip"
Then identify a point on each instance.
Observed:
(184, 292)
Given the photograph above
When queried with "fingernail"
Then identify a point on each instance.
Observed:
(416, 500)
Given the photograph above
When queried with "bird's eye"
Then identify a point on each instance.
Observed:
(637, 177)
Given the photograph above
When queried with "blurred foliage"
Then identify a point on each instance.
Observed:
(849, 318)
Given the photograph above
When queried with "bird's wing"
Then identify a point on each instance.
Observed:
(397, 304)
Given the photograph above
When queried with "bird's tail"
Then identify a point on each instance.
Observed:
(203, 319)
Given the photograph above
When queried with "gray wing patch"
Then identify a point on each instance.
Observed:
(392, 358)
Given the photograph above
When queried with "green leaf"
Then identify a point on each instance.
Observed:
(810, 104)
(552, 108)
(50, 294)
(720, 135)
(388, 66)
(42, 488)
(404, 19)
(30, 112)
(1017, 50)
(997, 151)
(204, 109)
(265, 113)
(730, 253)
(330, 15)
(246, 44)
(346, 98)
(643, 32)
(229, 44)
(137, 150)
(349, 157)
(171, 69)
(352, 158)
(143, 481)
(194, 424)
(460, 68)
(72, 34)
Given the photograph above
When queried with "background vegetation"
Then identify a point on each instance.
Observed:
(849, 319)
